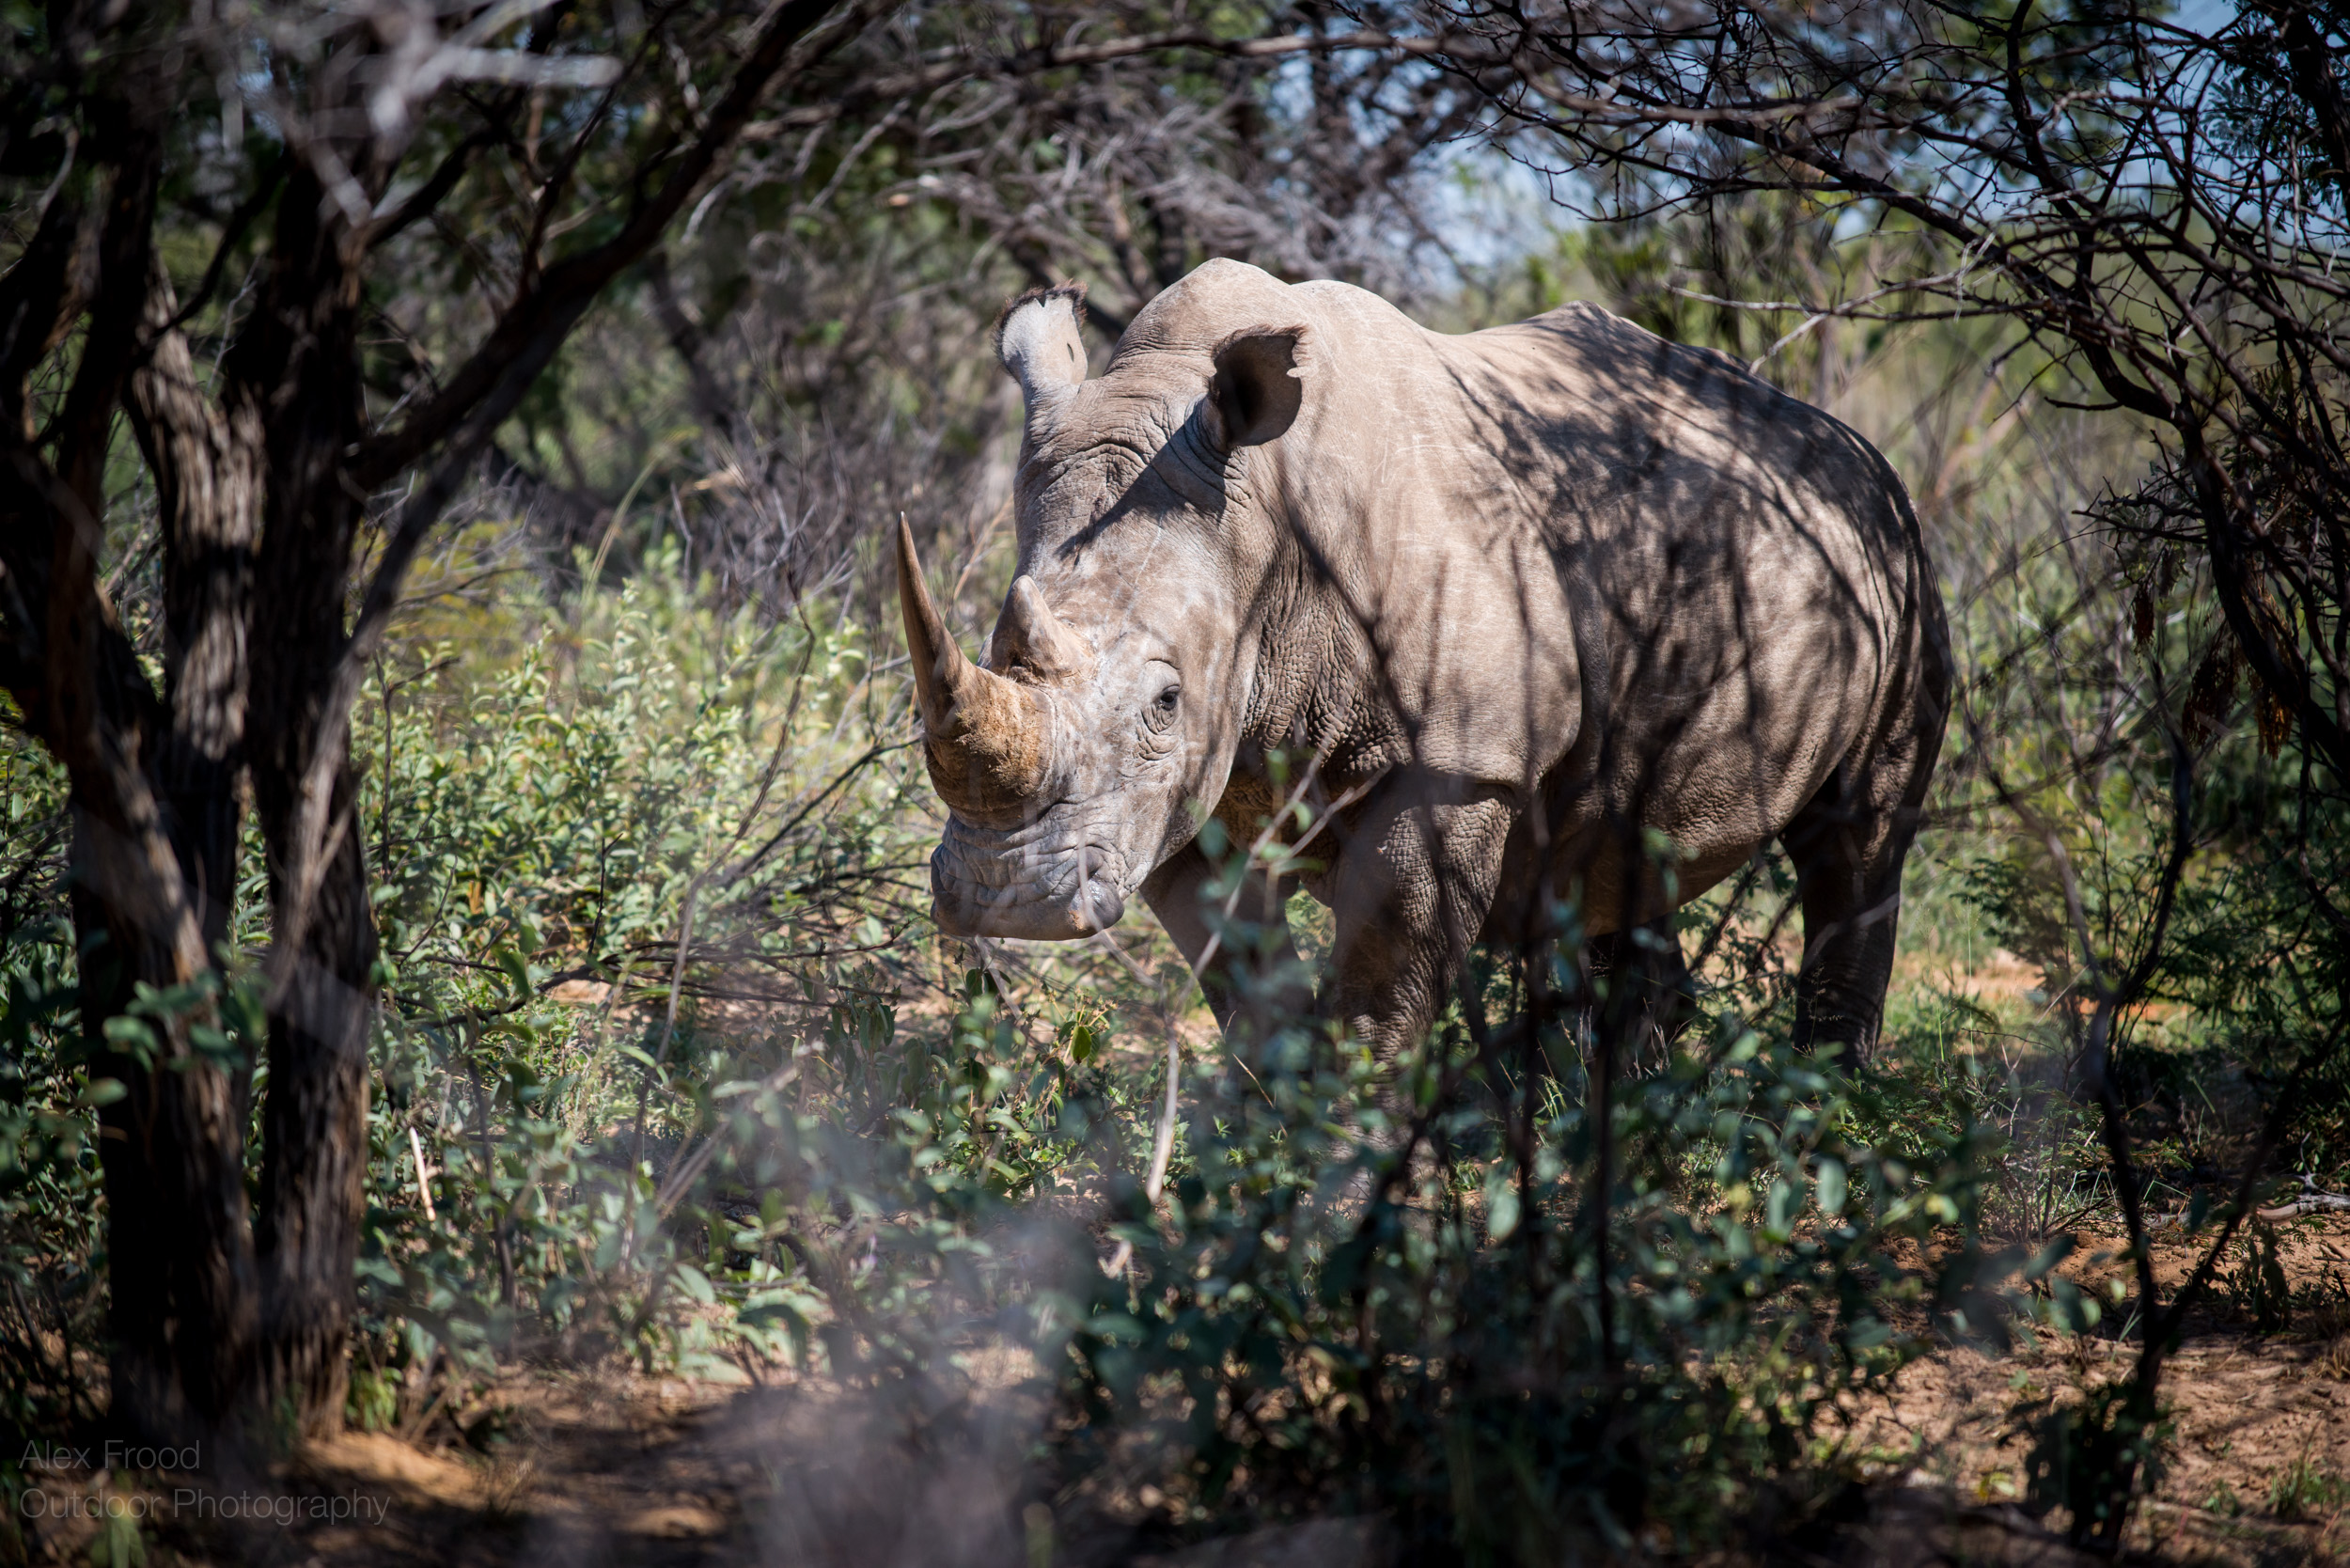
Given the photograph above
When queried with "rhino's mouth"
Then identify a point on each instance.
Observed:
(1047, 881)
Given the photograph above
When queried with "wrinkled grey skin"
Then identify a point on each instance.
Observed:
(1519, 591)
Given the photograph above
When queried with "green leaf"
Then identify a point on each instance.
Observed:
(1832, 1190)
(2047, 1258)
(695, 1284)
(1501, 1212)
(1786, 1196)
(134, 1037)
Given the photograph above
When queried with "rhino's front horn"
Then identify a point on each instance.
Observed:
(986, 737)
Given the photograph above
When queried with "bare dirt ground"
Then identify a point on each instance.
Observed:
(2252, 1413)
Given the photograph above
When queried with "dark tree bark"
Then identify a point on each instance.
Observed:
(207, 467)
(300, 357)
(315, 1141)
(182, 1304)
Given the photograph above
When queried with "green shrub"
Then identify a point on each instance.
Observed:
(52, 1211)
(1422, 1297)
(2303, 1490)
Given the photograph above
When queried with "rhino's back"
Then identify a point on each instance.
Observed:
(1620, 448)
(1744, 579)
(1578, 397)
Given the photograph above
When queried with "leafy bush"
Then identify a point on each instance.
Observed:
(586, 852)
(2303, 1490)
(1449, 1298)
(51, 1214)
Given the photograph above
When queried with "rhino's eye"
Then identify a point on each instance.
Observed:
(1162, 709)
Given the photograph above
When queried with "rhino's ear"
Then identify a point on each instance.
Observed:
(1259, 383)
(1038, 339)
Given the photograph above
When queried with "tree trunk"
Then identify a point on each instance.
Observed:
(180, 1281)
(179, 1249)
(178, 1246)
(303, 357)
(315, 1148)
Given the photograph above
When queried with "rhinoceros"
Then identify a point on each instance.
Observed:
(1526, 603)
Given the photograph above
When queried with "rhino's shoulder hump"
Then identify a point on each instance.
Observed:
(1356, 319)
(1582, 329)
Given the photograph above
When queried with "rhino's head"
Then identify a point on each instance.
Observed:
(1105, 718)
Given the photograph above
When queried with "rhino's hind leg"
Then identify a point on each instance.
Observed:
(1664, 1000)
(1848, 845)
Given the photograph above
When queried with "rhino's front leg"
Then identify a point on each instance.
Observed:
(1250, 992)
(1411, 889)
